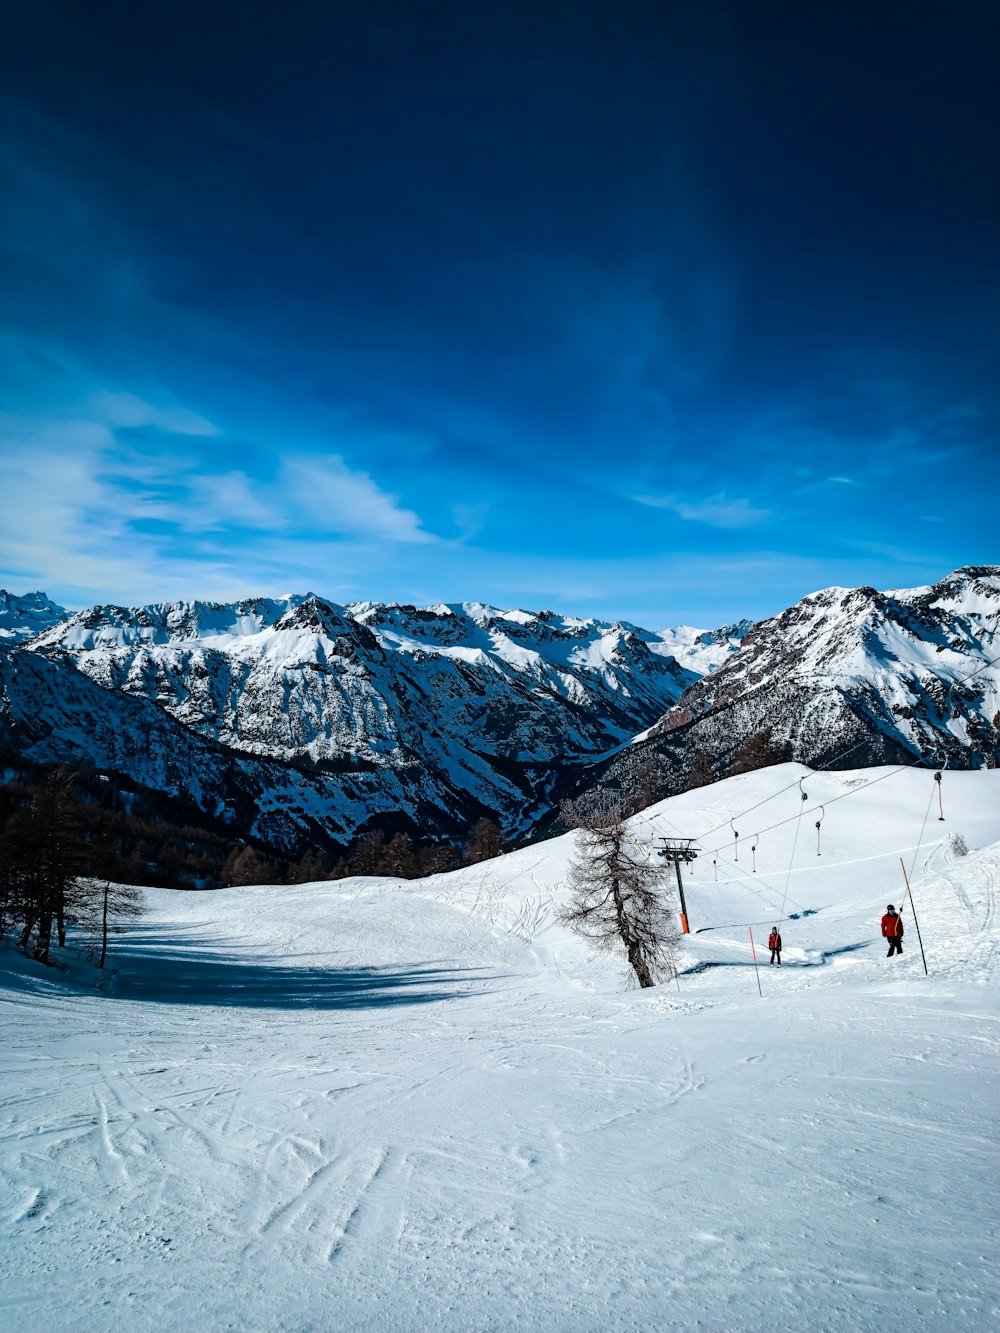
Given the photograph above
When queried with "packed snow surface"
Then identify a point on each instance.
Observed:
(372, 1104)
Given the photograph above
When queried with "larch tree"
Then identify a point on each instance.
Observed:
(615, 904)
(399, 857)
(368, 855)
(109, 909)
(484, 842)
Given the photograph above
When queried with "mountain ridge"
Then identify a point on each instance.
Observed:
(437, 716)
(339, 718)
(847, 676)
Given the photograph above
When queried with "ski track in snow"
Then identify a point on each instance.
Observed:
(438, 1110)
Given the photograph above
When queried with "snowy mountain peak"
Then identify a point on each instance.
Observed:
(434, 715)
(884, 671)
(23, 617)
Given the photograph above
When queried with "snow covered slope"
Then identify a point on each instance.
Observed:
(372, 1105)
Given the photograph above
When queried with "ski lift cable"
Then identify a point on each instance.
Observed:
(923, 826)
(751, 888)
(780, 792)
(740, 874)
(843, 796)
(828, 767)
(791, 860)
(854, 791)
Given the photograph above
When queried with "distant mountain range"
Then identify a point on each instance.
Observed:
(300, 722)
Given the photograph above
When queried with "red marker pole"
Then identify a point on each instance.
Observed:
(756, 968)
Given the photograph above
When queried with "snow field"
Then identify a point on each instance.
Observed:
(372, 1104)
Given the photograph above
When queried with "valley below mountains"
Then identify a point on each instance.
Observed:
(297, 723)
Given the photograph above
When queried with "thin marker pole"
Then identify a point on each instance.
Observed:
(913, 909)
(756, 968)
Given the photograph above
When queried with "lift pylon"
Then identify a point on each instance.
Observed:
(680, 851)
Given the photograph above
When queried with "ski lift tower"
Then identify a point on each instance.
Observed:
(678, 851)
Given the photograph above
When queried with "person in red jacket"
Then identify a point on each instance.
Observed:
(774, 944)
(892, 930)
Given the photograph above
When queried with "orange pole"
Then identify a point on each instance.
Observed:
(685, 929)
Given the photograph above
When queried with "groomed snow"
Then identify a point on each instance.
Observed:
(403, 1106)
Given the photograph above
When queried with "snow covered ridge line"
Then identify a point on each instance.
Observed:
(23, 617)
(462, 627)
(846, 676)
(388, 715)
(444, 714)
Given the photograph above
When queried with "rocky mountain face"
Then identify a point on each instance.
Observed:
(426, 718)
(299, 722)
(23, 617)
(875, 674)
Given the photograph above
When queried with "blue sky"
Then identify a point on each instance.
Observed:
(671, 313)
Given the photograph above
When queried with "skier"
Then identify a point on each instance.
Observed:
(892, 930)
(774, 944)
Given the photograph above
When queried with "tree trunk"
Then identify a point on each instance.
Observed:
(104, 926)
(61, 925)
(29, 926)
(636, 961)
(639, 966)
(44, 936)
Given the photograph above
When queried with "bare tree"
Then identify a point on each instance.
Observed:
(106, 909)
(399, 857)
(43, 850)
(246, 865)
(484, 842)
(614, 903)
(758, 751)
(368, 855)
(434, 860)
(645, 787)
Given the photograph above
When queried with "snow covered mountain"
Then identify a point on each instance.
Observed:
(877, 674)
(435, 716)
(23, 617)
(297, 720)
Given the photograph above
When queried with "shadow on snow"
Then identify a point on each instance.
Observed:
(819, 960)
(148, 967)
(769, 921)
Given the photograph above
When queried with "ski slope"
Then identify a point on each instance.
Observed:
(381, 1105)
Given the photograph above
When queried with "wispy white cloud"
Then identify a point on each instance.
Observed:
(217, 500)
(84, 507)
(339, 499)
(718, 511)
(470, 519)
(127, 409)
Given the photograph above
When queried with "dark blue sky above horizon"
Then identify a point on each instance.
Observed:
(665, 312)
